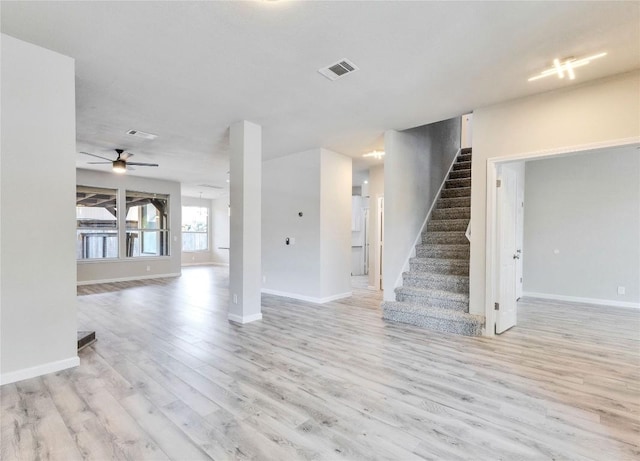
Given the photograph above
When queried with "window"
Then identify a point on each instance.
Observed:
(96, 223)
(195, 228)
(147, 224)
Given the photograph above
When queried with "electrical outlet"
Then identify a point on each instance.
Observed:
(235, 299)
(621, 290)
(264, 279)
(148, 268)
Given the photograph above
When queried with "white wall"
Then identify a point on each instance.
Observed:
(376, 189)
(37, 193)
(96, 271)
(572, 118)
(335, 224)
(205, 256)
(291, 185)
(220, 230)
(313, 182)
(588, 208)
(416, 162)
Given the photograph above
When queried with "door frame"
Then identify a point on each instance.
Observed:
(380, 242)
(492, 268)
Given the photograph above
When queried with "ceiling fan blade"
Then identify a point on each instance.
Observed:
(142, 164)
(94, 155)
(125, 155)
(99, 163)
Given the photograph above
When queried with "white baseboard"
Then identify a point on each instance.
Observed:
(576, 299)
(39, 370)
(205, 263)
(244, 319)
(128, 279)
(310, 299)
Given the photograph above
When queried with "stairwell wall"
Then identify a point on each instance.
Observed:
(572, 118)
(416, 163)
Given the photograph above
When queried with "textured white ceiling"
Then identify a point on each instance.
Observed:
(187, 70)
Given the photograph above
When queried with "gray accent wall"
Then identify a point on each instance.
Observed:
(416, 163)
(582, 226)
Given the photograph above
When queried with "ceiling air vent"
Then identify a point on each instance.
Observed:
(339, 69)
(142, 134)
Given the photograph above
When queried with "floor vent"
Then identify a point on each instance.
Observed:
(338, 69)
(85, 339)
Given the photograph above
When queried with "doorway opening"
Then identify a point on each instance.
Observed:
(507, 244)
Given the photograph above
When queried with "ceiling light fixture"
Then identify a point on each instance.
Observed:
(119, 166)
(567, 65)
(377, 154)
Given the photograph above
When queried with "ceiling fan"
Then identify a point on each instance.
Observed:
(120, 164)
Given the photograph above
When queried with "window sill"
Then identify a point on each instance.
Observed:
(121, 260)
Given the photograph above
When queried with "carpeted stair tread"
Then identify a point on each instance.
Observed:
(463, 158)
(456, 192)
(433, 318)
(449, 237)
(440, 266)
(451, 213)
(443, 250)
(454, 202)
(457, 183)
(433, 293)
(460, 174)
(433, 298)
(442, 225)
(444, 282)
(461, 166)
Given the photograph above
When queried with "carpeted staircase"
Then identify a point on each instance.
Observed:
(435, 291)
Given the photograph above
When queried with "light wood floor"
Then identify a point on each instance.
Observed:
(171, 378)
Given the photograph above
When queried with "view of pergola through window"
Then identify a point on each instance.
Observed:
(96, 223)
(98, 232)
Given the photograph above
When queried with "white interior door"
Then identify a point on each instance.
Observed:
(506, 315)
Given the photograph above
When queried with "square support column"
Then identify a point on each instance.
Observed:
(245, 257)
